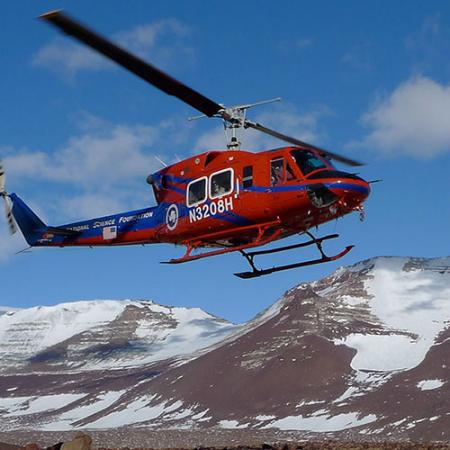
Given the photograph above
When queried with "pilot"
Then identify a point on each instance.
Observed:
(277, 175)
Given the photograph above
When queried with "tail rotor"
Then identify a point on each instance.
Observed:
(8, 206)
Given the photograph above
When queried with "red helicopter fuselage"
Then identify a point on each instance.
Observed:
(294, 189)
(229, 200)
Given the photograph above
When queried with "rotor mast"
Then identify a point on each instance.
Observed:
(234, 119)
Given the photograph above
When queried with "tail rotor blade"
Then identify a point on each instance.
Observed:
(9, 216)
(8, 208)
(2, 178)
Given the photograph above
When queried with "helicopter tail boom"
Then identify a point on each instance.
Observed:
(31, 226)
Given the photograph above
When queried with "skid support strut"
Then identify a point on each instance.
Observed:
(255, 272)
(266, 234)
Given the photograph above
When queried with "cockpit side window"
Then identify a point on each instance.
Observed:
(307, 161)
(280, 171)
(276, 171)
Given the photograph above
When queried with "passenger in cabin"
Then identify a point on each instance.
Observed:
(194, 197)
(216, 189)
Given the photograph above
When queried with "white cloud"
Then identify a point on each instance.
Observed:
(68, 57)
(283, 118)
(9, 245)
(144, 38)
(427, 35)
(295, 44)
(161, 41)
(93, 204)
(428, 45)
(93, 159)
(414, 119)
(303, 43)
(359, 57)
(99, 171)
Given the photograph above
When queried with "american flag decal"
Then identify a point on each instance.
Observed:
(109, 233)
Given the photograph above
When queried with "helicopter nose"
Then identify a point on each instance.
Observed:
(355, 193)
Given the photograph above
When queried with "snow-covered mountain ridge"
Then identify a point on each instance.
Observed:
(365, 350)
(104, 334)
(7, 310)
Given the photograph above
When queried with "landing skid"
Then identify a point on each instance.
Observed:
(255, 272)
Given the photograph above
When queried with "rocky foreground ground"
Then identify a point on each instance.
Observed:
(324, 445)
(141, 439)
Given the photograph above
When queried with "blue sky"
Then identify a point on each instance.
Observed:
(79, 135)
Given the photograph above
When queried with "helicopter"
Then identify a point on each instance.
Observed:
(216, 202)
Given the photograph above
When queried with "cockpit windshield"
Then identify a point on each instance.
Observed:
(307, 161)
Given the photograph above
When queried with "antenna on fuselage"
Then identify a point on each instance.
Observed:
(160, 160)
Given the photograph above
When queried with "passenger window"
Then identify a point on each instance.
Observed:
(289, 173)
(196, 192)
(221, 183)
(247, 177)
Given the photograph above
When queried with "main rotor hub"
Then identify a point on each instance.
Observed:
(234, 118)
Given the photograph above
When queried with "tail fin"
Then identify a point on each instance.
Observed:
(29, 223)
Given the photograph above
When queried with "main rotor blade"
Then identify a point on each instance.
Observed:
(142, 69)
(283, 137)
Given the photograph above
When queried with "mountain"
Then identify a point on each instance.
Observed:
(362, 352)
(99, 335)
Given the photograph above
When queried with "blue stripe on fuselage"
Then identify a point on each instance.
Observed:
(149, 218)
(140, 219)
(302, 187)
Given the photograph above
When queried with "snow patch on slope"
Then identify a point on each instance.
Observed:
(428, 385)
(66, 420)
(322, 423)
(383, 352)
(231, 424)
(415, 301)
(22, 406)
(141, 410)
